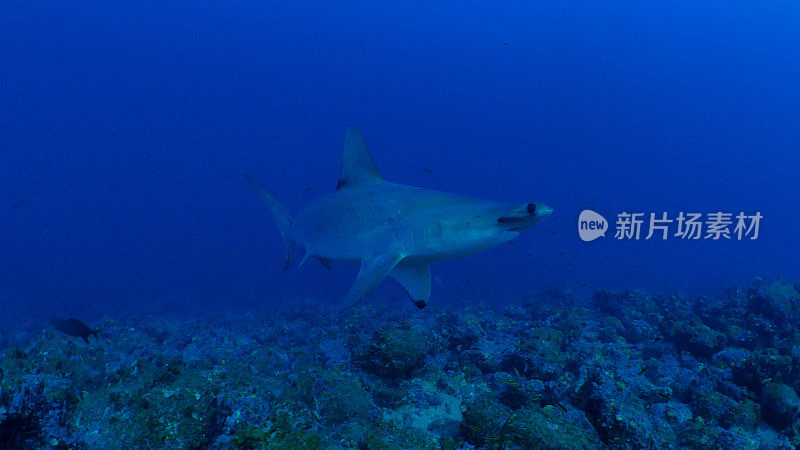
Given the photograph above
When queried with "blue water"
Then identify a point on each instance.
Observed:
(126, 127)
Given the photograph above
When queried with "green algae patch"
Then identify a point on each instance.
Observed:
(388, 435)
(395, 352)
(336, 397)
(549, 428)
(285, 429)
(145, 412)
(483, 420)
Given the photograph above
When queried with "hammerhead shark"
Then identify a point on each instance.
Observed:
(393, 229)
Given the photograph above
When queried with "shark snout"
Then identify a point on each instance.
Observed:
(524, 216)
(539, 210)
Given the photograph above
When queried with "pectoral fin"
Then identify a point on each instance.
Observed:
(372, 272)
(416, 280)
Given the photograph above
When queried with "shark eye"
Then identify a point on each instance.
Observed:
(531, 208)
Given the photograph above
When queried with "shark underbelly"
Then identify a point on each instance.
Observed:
(416, 242)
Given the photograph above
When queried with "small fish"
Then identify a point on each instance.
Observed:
(427, 169)
(516, 371)
(18, 204)
(641, 372)
(657, 338)
(562, 254)
(74, 327)
(561, 407)
(584, 284)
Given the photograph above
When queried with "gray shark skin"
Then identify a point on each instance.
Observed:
(393, 229)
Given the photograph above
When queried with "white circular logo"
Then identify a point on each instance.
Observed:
(591, 225)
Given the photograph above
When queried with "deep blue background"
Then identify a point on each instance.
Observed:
(126, 127)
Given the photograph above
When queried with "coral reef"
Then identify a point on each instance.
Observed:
(621, 369)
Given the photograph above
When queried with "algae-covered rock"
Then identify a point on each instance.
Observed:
(550, 428)
(539, 356)
(445, 427)
(739, 439)
(28, 419)
(483, 420)
(713, 405)
(332, 395)
(698, 434)
(696, 337)
(777, 300)
(160, 407)
(395, 352)
(672, 413)
(761, 366)
(342, 398)
(618, 414)
(615, 302)
(390, 436)
(286, 428)
(780, 405)
(251, 437)
(516, 391)
(645, 372)
(745, 415)
(462, 331)
(36, 396)
(544, 342)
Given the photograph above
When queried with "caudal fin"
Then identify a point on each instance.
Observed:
(283, 221)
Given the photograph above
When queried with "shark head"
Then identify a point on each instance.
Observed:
(480, 225)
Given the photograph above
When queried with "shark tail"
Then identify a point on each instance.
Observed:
(283, 221)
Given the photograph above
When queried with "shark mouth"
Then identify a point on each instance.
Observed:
(525, 216)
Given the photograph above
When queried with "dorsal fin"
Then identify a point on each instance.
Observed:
(358, 166)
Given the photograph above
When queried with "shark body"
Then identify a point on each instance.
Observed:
(393, 229)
